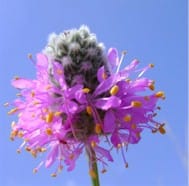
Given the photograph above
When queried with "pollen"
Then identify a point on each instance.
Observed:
(89, 110)
(32, 94)
(136, 104)
(133, 126)
(104, 75)
(127, 118)
(98, 128)
(151, 86)
(162, 129)
(93, 144)
(13, 111)
(53, 175)
(35, 170)
(114, 90)
(59, 72)
(86, 90)
(160, 94)
(151, 65)
(49, 131)
(57, 113)
(49, 117)
(126, 165)
(103, 171)
(28, 149)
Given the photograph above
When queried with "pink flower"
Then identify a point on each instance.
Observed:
(63, 116)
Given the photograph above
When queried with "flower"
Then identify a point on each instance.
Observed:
(82, 100)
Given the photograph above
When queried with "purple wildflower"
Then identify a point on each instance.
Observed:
(80, 97)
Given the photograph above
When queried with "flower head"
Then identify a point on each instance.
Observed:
(80, 99)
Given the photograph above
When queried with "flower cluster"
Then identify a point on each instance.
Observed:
(81, 100)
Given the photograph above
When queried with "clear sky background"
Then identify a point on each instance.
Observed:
(154, 31)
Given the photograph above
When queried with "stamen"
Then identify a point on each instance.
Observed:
(86, 90)
(104, 75)
(136, 104)
(53, 175)
(49, 117)
(13, 111)
(89, 110)
(160, 94)
(32, 94)
(93, 144)
(151, 86)
(98, 128)
(151, 65)
(114, 90)
(162, 129)
(57, 113)
(133, 126)
(49, 131)
(127, 118)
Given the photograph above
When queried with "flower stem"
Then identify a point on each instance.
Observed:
(93, 168)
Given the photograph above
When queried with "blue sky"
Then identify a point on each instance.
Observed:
(154, 31)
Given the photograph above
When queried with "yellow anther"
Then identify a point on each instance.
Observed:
(14, 133)
(160, 94)
(42, 149)
(53, 175)
(151, 86)
(16, 78)
(104, 75)
(151, 65)
(162, 129)
(71, 156)
(93, 144)
(89, 110)
(98, 128)
(49, 117)
(59, 72)
(92, 173)
(28, 149)
(49, 131)
(86, 90)
(119, 145)
(138, 134)
(20, 134)
(60, 167)
(136, 104)
(30, 56)
(57, 113)
(33, 153)
(127, 118)
(35, 170)
(32, 94)
(12, 111)
(133, 126)
(36, 102)
(114, 90)
(6, 104)
(48, 87)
